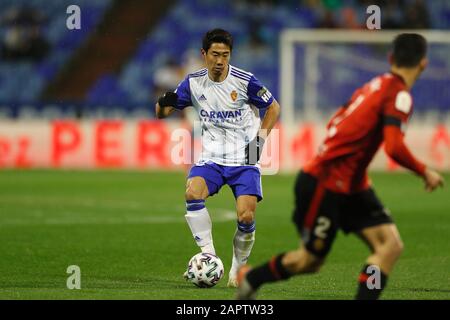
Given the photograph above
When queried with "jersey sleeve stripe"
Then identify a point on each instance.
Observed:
(198, 73)
(200, 70)
(240, 77)
(392, 121)
(240, 73)
(197, 76)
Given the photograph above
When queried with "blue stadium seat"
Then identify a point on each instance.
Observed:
(107, 90)
(181, 29)
(29, 78)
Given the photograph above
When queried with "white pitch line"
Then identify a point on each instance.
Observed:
(81, 202)
(222, 215)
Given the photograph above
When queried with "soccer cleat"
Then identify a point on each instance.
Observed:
(232, 277)
(232, 282)
(244, 289)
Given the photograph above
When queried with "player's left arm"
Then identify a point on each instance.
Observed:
(396, 116)
(270, 119)
(260, 97)
(396, 148)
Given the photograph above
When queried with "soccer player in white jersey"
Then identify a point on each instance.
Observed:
(228, 100)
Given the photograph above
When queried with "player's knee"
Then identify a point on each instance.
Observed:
(395, 247)
(192, 194)
(391, 248)
(246, 216)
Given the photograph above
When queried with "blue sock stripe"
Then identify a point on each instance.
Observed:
(247, 228)
(195, 201)
(194, 205)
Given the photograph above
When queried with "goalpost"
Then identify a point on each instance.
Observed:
(319, 68)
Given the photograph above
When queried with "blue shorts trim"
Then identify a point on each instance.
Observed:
(243, 180)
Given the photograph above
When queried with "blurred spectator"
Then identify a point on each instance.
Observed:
(192, 61)
(312, 4)
(391, 16)
(328, 21)
(254, 7)
(349, 19)
(257, 39)
(332, 4)
(23, 39)
(261, 2)
(167, 77)
(417, 16)
(256, 48)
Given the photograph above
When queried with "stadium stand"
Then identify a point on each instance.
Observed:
(178, 32)
(23, 81)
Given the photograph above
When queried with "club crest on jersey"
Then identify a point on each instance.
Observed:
(233, 95)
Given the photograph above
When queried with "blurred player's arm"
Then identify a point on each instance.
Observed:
(166, 105)
(260, 97)
(396, 148)
(397, 111)
(254, 149)
(270, 119)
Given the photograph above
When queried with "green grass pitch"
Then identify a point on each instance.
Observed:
(127, 233)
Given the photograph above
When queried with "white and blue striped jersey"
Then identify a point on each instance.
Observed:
(228, 111)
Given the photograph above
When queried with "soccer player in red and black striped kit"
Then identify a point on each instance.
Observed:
(334, 191)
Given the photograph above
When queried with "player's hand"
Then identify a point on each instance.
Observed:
(253, 150)
(432, 180)
(168, 99)
(166, 105)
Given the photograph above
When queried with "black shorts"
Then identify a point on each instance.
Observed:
(319, 213)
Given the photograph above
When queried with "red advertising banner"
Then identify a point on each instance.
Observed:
(154, 144)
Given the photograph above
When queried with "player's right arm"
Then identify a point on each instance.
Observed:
(171, 101)
(166, 105)
(396, 114)
(163, 112)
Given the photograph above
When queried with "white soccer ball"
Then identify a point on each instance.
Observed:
(205, 270)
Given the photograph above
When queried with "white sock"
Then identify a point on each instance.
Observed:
(243, 241)
(199, 222)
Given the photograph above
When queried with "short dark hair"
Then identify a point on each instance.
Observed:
(409, 49)
(217, 36)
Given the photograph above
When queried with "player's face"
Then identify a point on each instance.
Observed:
(217, 59)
